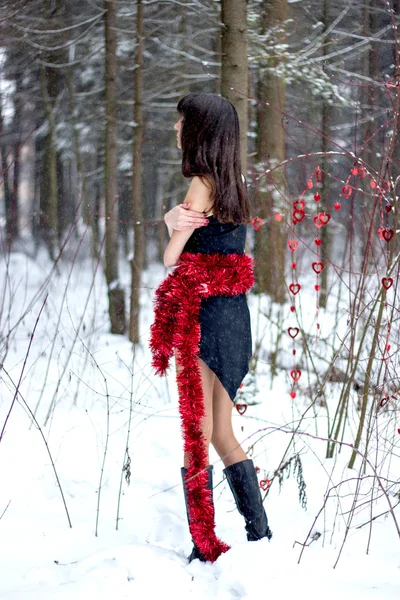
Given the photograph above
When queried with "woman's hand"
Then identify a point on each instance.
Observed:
(181, 218)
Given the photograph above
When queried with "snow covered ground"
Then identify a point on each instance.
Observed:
(92, 392)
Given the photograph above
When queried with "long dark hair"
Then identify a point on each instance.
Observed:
(210, 141)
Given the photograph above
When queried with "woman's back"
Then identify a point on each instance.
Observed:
(216, 237)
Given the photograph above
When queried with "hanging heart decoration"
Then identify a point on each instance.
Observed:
(321, 219)
(298, 216)
(317, 287)
(257, 223)
(293, 394)
(387, 234)
(295, 374)
(299, 205)
(317, 197)
(362, 172)
(294, 288)
(347, 191)
(337, 206)
(317, 242)
(264, 484)
(387, 282)
(293, 331)
(324, 218)
(388, 208)
(318, 267)
(241, 408)
(354, 171)
(278, 217)
(293, 245)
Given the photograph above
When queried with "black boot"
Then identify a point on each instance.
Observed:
(196, 552)
(243, 481)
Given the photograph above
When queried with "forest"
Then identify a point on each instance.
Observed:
(89, 167)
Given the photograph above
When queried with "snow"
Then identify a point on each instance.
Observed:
(93, 383)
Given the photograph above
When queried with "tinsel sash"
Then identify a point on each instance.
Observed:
(176, 327)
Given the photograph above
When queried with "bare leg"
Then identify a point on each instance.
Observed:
(223, 438)
(207, 382)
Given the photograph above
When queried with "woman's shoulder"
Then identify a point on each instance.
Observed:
(199, 195)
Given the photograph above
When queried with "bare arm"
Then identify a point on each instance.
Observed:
(182, 218)
(198, 197)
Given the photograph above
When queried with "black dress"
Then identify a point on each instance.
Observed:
(225, 344)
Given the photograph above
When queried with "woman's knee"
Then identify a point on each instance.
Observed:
(221, 440)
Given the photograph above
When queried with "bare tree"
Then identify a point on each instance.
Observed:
(270, 242)
(234, 67)
(137, 212)
(115, 293)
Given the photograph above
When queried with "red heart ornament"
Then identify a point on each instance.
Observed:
(293, 331)
(387, 282)
(317, 222)
(372, 184)
(317, 242)
(299, 205)
(241, 408)
(295, 374)
(324, 218)
(317, 197)
(317, 288)
(264, 484)
(294, 288)
(278, 217)
(354, 171)
(337, 206)
(294, 352)
(318, 174)
(293, 394)
(292, 308)
(256, 222)
(293, 245)
(346, 191)
(362, 172)
(294, 265)
(318, 267)
(309, 184)
(298, 215)
(387, 234)
(388, 208)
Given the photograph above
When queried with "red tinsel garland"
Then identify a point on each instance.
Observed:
(176, 326)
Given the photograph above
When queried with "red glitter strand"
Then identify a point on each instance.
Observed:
(176, 326)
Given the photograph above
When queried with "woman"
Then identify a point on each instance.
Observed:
(202, 315)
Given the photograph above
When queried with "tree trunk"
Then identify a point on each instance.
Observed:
(325, 187)
(6, 187)
(115, 293)
(17, 132)
(270, 246)
(137, 212)
(49, 80)
(234, 67)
